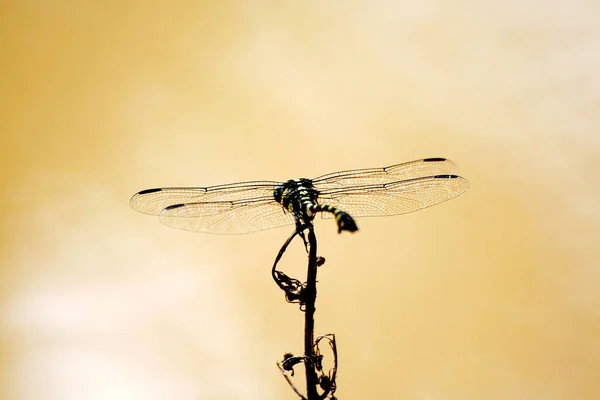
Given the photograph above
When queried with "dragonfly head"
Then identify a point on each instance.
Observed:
(293, 190)
(278, 191)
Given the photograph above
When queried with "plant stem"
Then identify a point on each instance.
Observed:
(309, 320)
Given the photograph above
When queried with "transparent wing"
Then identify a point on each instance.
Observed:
(227, 217)
(394, 198)
(380, 176)
(250, 206)
(153, 201)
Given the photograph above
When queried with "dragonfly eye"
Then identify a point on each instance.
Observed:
(277, 193)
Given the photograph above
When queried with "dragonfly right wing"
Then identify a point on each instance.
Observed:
(380, 176)
(396, 197)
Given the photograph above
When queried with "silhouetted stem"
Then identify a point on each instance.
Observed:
(309, 314)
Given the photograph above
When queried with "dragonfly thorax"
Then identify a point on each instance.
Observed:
(296, 195)
(300, 199)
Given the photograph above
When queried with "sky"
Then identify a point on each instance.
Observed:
(492, 295)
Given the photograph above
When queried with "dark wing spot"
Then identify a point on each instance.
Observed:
(434, 159)
(174, 206)
(148, 191)
(446, 176)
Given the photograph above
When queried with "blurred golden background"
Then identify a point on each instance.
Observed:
(493, 295)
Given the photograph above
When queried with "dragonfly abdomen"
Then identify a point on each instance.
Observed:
(344, 221)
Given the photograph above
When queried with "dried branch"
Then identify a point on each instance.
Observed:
(305, 294)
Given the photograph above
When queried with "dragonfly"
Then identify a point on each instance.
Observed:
(245, 207)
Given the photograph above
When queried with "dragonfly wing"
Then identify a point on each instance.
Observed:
(153, 201)
(227, 217)
(380, 176)
(395, 198)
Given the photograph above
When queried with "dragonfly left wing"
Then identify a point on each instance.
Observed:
(153, 201)
(227, 217)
